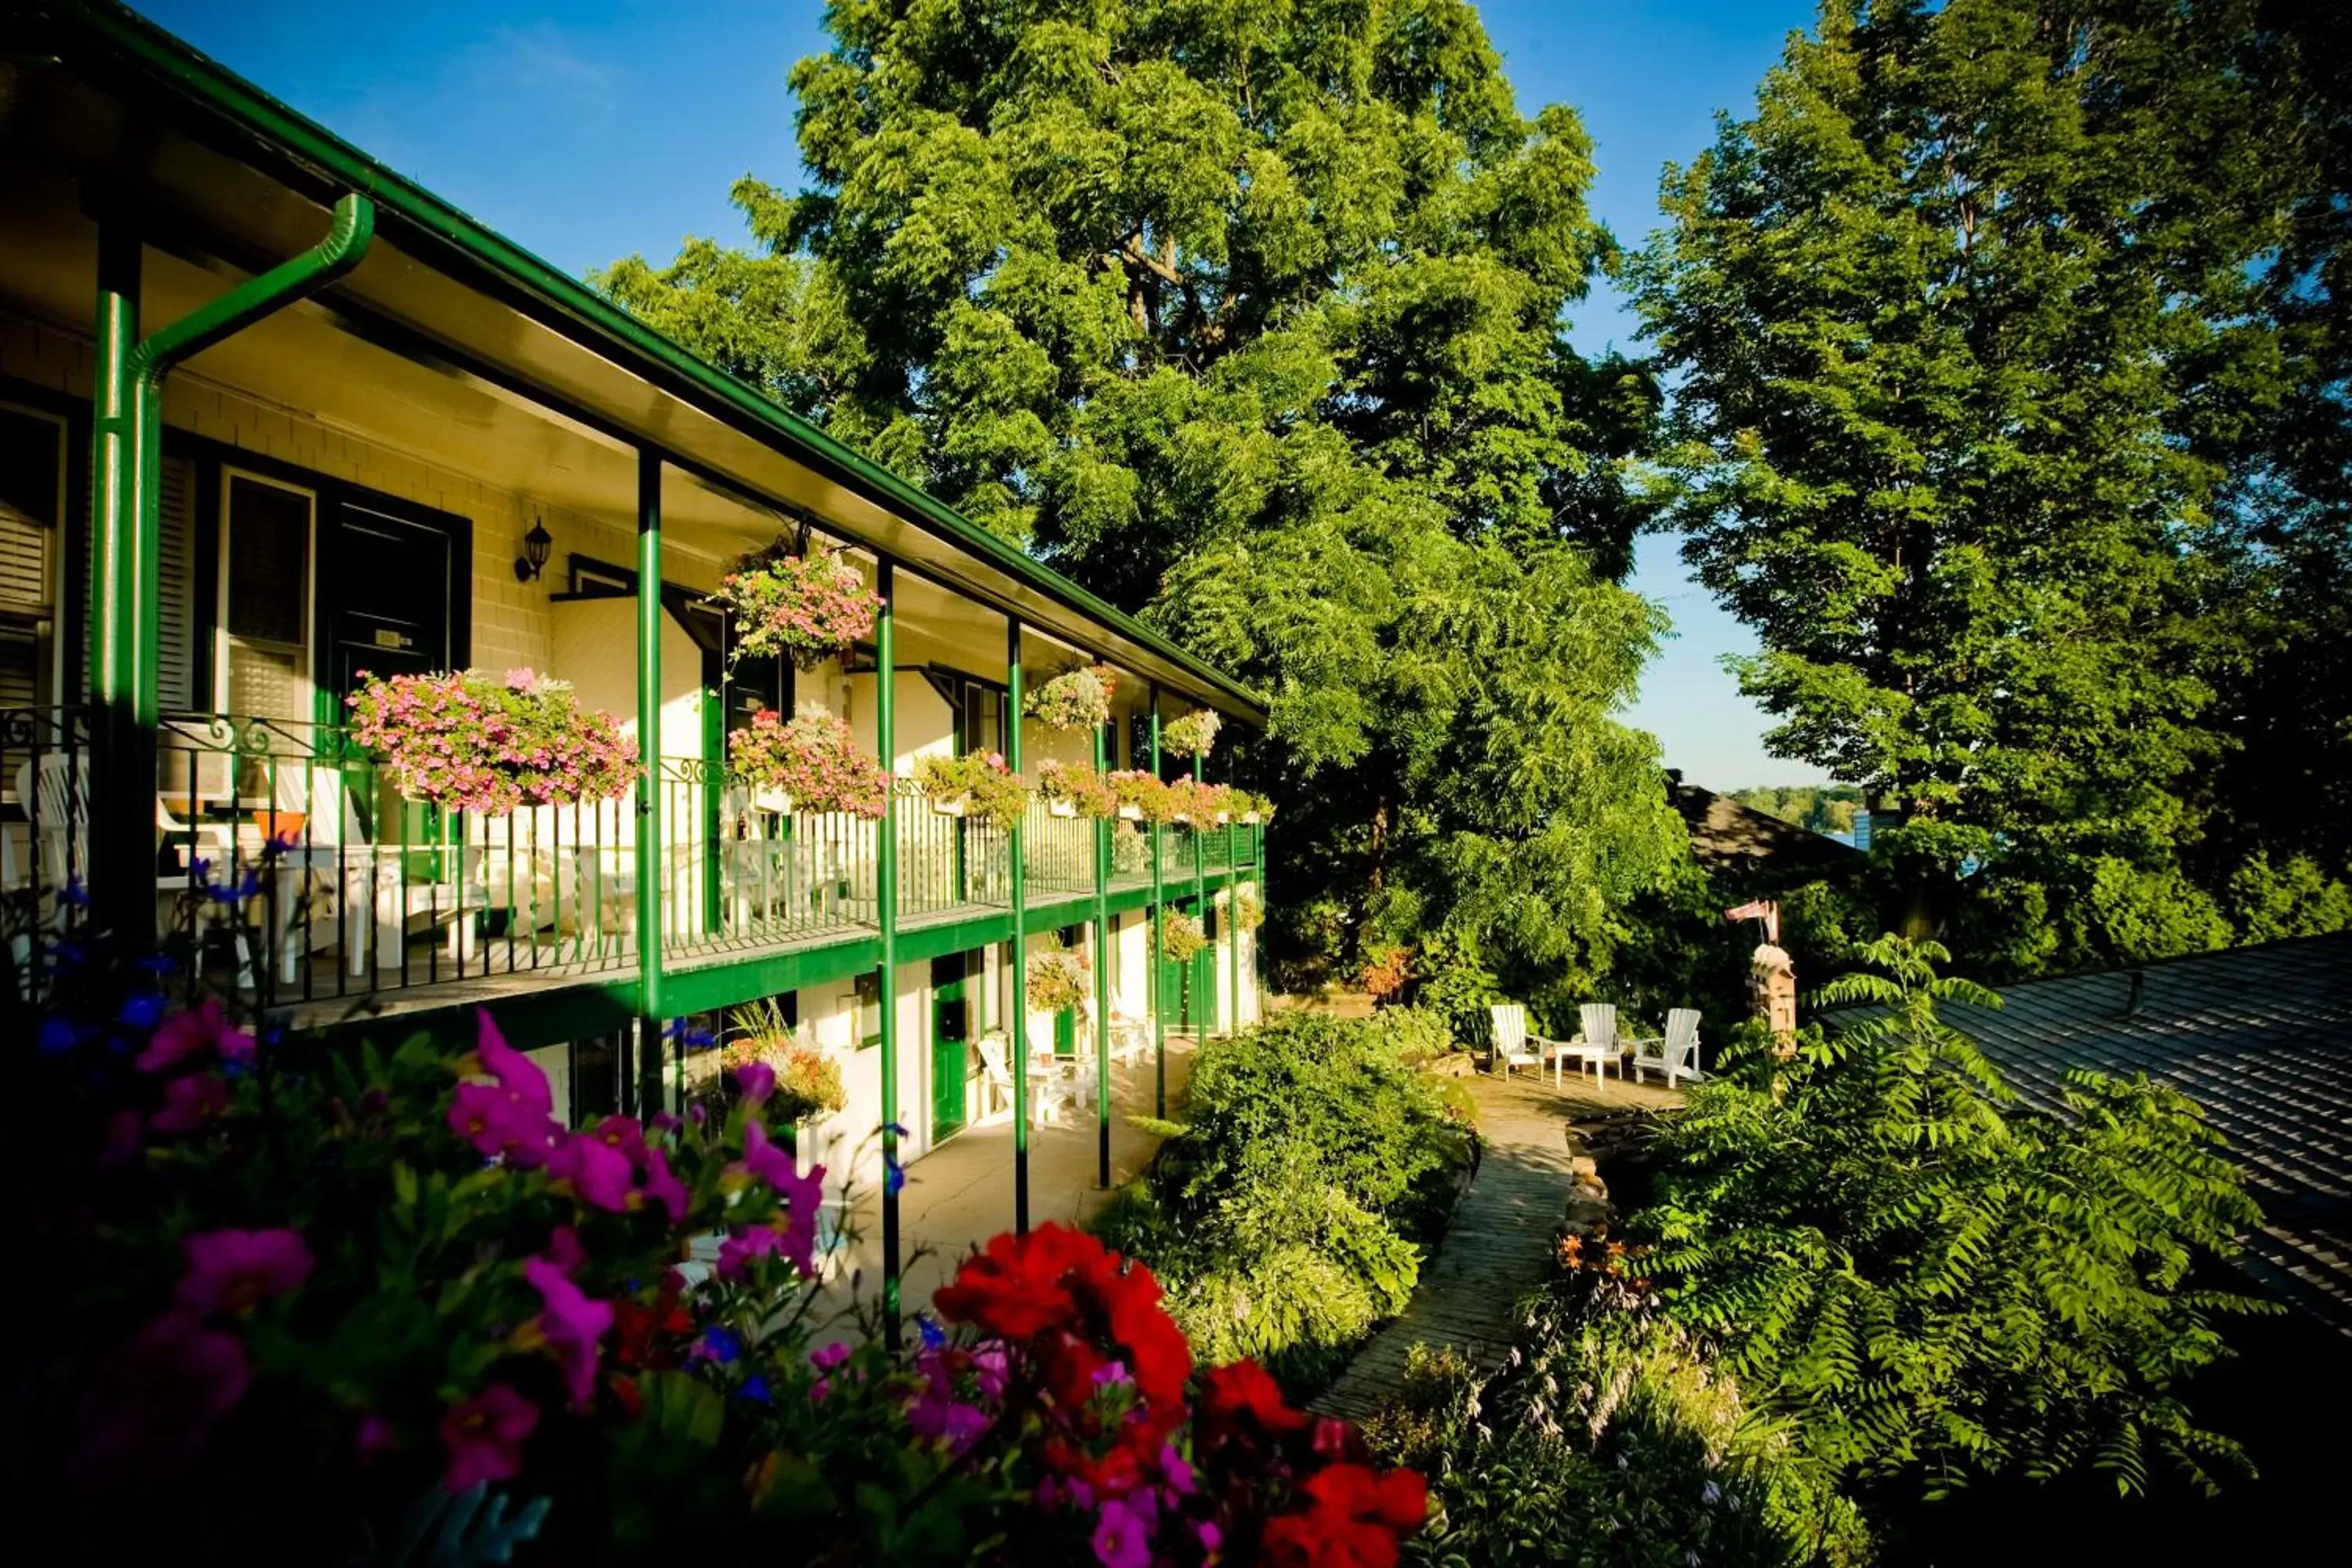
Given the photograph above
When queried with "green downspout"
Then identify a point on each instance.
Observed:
(1102, 971)
(1017, 1047)
(127, 429)
(649, 715)
(886, 900)
(1159, 936)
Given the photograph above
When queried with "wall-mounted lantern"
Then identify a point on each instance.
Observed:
(535, 546)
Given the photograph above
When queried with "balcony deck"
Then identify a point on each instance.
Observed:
(355, 901)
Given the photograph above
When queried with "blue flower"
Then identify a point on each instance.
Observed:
(893, 1176)
(57, 1035)
(755, 1389)
(75, 893)
(143, 1010)
(933, 1336)
(720, 1345)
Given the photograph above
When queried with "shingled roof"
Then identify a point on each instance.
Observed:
(1726, 837)
(2262, 1037)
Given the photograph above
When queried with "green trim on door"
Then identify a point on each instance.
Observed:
(950, 1043)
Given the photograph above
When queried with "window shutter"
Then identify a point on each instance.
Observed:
(29, 504)
(175, 661)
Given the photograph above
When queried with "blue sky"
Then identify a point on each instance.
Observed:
(590, 130)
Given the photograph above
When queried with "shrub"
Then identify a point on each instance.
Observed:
(814, 759)
(1287, 1217)
(806, 608)
(1416, 1035)
(1934, 1283)
(980, 778)
(468, 741)
(1608, 1438)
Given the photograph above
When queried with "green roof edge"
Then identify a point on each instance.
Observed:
(152, 52)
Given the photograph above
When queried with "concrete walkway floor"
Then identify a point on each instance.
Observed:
(960, 1194)
(1498, 1244)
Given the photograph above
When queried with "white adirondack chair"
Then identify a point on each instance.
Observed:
(1510, 1046)
(1595, 1046)
(1674, 1055)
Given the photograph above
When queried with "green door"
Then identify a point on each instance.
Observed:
(950, 1044)
(1065, 1031)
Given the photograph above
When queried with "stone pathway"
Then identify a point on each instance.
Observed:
(1497, 1247)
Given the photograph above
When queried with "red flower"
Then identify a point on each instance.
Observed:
(1354, 1519)
(1239, 1393)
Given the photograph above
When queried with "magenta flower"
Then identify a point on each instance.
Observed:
(662, 1186)
(571, 1324)
(1121, 1539)
(823, 1359)
(236, 1270)
(155, 1400)
(756, 1081)
(564, 1250)
(745, 1244)
(189, 1102)
(597, 1172)
(514, 1072)
(484, 1436)
(124, 1140)
(373, 1438)
(499, 1125)
(623, 1133)
(205, 1027)
(771, 1162)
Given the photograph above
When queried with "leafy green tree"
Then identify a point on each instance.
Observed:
(1250, 319)
(1933, 1284)
(1967, 321)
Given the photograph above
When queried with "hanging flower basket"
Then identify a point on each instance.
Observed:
(813, 761)
(806, 608)
(1058, 980)
(1075, 699)
(1072, 791)
(976, 783)
(771, 800)
(1248, 912)
(1181, 937)
(470, 742)
(1191, 735)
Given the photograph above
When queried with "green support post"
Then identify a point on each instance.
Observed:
(1200, 898)
(1233, 929)
(1265, 905)
(650, 1021)
(127, 441)
(1102, 972)
(886, 897)
(1018, 1046)
(1158, 935)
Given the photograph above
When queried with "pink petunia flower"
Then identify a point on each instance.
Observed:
(189, 1104)
(572, 1323)
(154, 1401)
(598, 1173)
(205, 1027)
(484, 1436)
(236, 1270)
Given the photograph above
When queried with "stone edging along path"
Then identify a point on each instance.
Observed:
(1497, 1249)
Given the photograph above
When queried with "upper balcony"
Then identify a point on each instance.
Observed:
(350, 892)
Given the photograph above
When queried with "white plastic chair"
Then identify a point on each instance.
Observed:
(1674, 1055)
(1509, 1044)
(1595, 1046)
